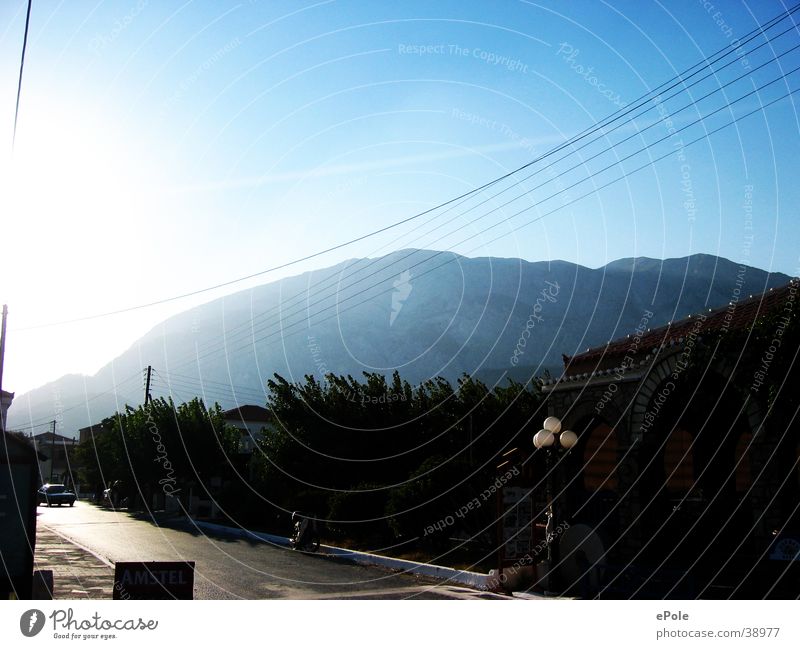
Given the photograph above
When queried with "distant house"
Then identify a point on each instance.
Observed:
(252, 422)
(90, 433)
(57, 449)
(5, 403)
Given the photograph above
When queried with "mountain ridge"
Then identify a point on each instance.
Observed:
(398, 311)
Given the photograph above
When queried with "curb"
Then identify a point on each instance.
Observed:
(104, 560)
(451, 575)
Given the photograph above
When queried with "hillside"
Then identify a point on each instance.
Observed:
(408, 311)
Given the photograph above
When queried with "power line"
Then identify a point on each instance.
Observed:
(21, 67)
(306, 294)
(188, 391)
(623, 176)
(761, 108)
(602, 124)
(285, 333)
(339, 301)
(227, 392)
(173, 375)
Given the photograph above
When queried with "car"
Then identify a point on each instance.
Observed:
(56, 494)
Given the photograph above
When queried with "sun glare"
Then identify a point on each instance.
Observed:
(70, 197)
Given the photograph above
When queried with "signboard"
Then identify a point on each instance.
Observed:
(154, 580)
(517, 538)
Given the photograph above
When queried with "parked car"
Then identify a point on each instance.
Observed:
(56, 494)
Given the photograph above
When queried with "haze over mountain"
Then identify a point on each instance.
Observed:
(422, 312)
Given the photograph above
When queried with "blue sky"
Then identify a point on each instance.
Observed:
(167, 146)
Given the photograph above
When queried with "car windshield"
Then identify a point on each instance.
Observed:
(55, 488)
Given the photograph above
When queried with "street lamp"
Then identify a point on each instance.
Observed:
(553, 440)
(551, 435)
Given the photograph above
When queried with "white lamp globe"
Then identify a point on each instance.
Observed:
(568, 439)
(553, 424)
(543, 438)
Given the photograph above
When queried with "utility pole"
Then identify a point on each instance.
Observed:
(52, 450)
(147, 397)
(2, 361)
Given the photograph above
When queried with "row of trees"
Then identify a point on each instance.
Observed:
(158, 448)
(377, 459)
(384, 461)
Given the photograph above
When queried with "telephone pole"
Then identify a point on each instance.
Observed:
(2, 361)
(52, 450)
(147, 397)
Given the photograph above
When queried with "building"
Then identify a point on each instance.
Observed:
(5, 403)
(18, 482)
(57, 467)
(681, 471)
(252, 422)
(90, 433)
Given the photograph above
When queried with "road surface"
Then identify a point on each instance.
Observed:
(230, 568)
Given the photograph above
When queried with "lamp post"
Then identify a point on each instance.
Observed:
(552, 440)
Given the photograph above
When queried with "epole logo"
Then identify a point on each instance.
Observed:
(31, 622)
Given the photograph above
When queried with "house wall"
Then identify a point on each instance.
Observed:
(639, 407)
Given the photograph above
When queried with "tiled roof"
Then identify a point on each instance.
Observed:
(732, 316)
(49, 437)
(248, 413)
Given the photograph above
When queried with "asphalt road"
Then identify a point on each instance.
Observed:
(230, 568)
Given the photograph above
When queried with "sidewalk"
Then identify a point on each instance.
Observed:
(77, 573)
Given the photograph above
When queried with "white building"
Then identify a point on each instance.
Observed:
(252, 422)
